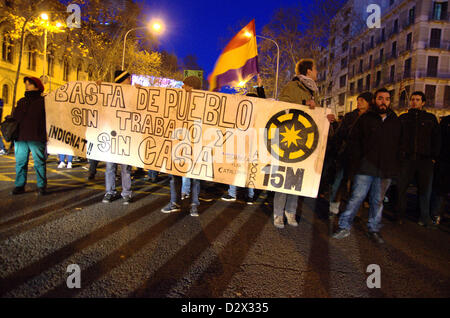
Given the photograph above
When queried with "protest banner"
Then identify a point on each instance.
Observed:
(231, 139)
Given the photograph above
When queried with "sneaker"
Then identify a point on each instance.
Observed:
(204, 198)
(109, 197)
(228, 197)
(342, 233)
(375, 236)
(185, 196)
(278, 221)
(171, 207)
(291, 218)
(18, 190)
(61, 165)
(194, 211)
(126, 200)
(250, 201)
(3, 152)
(42, 191)
(69, 165)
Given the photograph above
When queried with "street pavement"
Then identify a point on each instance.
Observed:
(230, 250)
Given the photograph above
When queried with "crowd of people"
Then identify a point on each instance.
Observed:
(369, 151)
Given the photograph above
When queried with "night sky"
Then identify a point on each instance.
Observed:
(200, 27)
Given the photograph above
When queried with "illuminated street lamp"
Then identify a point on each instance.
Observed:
(156, 27)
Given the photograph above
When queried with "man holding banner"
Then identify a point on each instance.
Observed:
(122, 77)
(301, 90)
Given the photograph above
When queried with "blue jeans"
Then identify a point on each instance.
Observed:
(110, 179)
(185, 185)
(152, 173)
(22, 151)
(362, 184)
(336, 184)
(62, 158)
(232, 191)
(175, 190)
(2, 145)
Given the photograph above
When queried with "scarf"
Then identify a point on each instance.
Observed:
(308, 82)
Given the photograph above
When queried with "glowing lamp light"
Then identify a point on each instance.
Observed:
(44, 16)
(241, 84)
(58, 24)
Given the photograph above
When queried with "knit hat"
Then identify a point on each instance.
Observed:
(368, 96)
(193, 81)
(120, 76)
(35, 81)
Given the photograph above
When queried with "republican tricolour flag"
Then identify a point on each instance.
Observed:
(238, 62)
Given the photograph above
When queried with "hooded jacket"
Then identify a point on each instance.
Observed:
(296, 92)
(420, 135)
(30, 113)
(375, 144)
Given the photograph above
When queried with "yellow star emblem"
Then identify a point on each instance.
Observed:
(290, 136)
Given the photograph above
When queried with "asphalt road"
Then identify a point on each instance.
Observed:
(231, 250)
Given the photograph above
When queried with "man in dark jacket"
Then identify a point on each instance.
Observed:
(30, 114)
(374, 143)
(419, 150)
(340, 142)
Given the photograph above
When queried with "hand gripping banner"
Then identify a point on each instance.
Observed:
(231, 139)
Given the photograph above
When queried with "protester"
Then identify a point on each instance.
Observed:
(189, 83)
(419, 151)
(92, 169)
(374, 144)
(30, 114)
(232, 190)
(122, 77)
(301, 90)
(441, 180)
(62, 163)
(343, 169)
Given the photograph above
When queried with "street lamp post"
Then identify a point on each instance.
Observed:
(156, 26)
(278, 64)
(125, 41)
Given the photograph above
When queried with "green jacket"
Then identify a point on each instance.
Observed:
(297, 93)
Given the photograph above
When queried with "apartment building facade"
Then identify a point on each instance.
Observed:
(409, 51)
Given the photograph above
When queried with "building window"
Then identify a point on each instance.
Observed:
(430, 94)
(432, 66)
(370, 61)
(347, 29)
(342, 99)
(440, 10)
(342, 81)
(50, 64)
(360, 85)
(78, 72)
(447, 96)
(344, 46)
(371, 42)
(402, 103)
(382, 35)
(395, 29)
(378, 80)
(394, 49)
(392, 74)
(7, 48)
(5, 94)
(360, 66)
(407, 70)
(362, 47)
(352, 88)
(392, 95)
(368, 82)
(411, 15)
(66, 71)
(31, 57)
(408, 41)
(435, 38)
(391, 2)
(344, 63)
